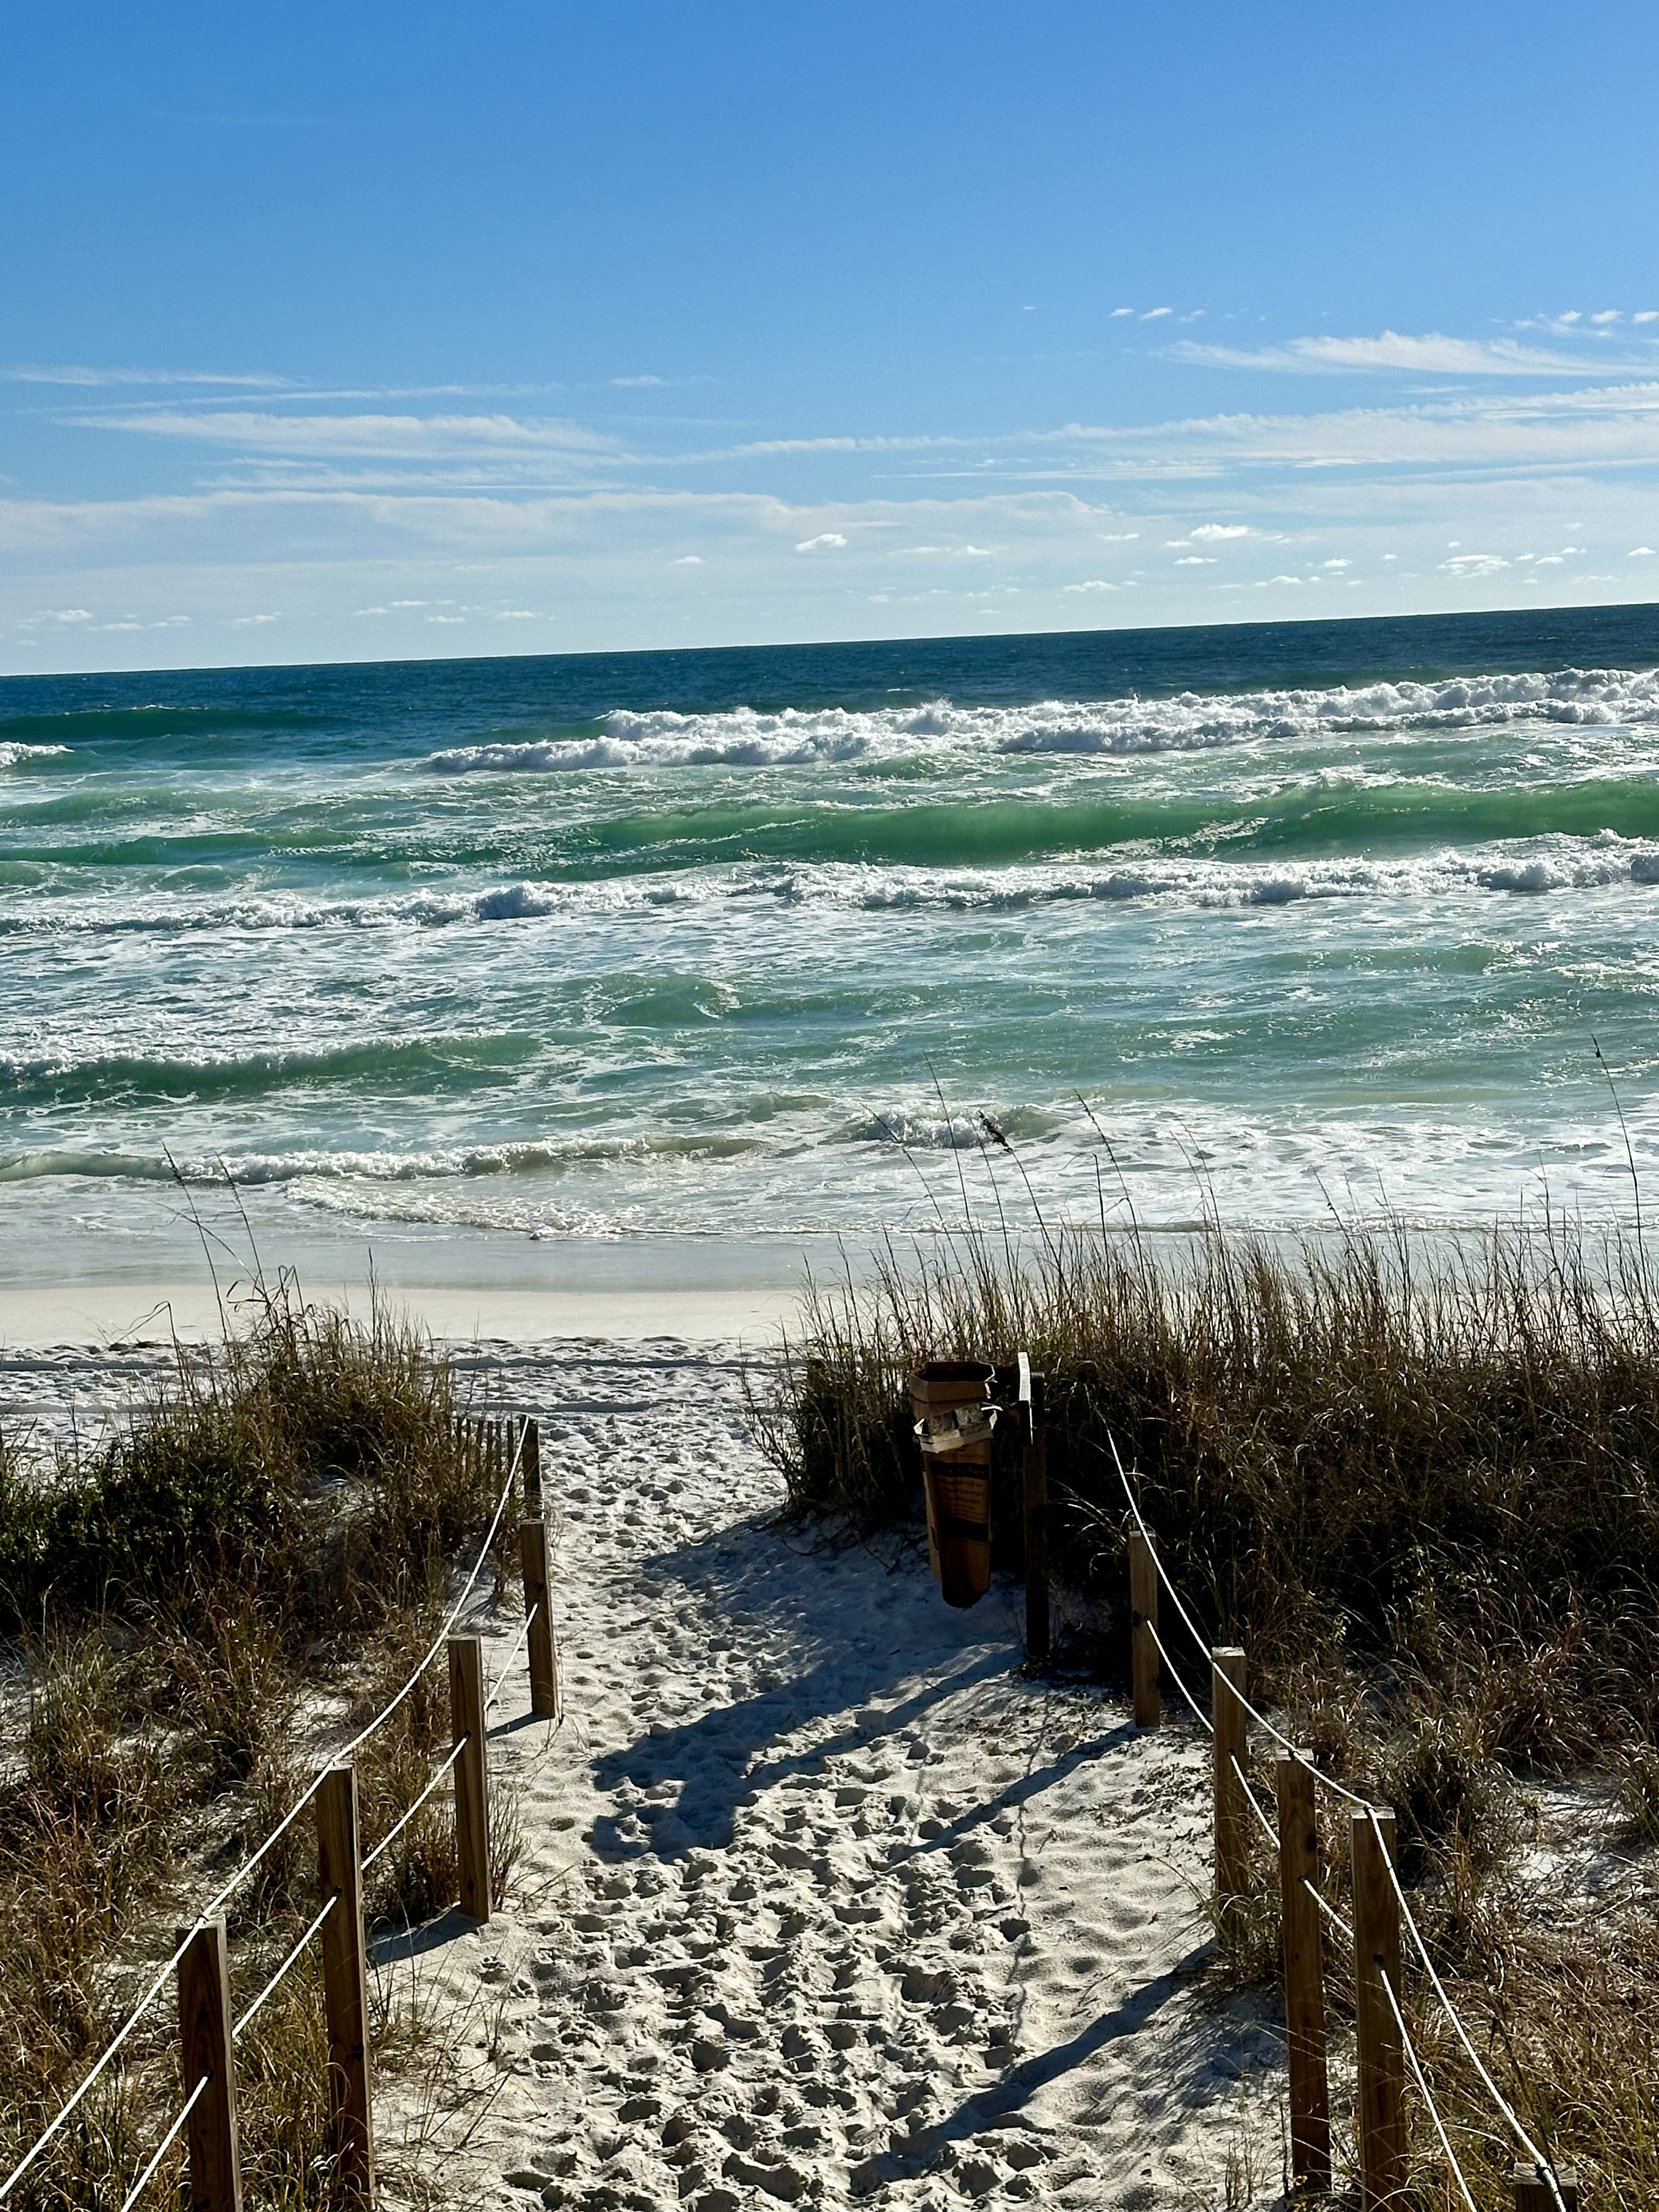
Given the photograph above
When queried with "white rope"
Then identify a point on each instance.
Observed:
(272, 1986)
(1267, 1826)
(392, 1834)
(242, 1872)
(166, 2144)
(1370, 1811)
(1284, 1742)
(1450, 2011)
(1329, 1910)
(1198, 1712)
(1423, 2087)
(519, 1643)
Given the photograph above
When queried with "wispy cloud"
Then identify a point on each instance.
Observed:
(1432, 355)
(85, 378)
(414, 437)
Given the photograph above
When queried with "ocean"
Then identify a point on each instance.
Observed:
(551, 955)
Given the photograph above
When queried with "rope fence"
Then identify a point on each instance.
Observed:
(281, 1973)
(165, 2145)
(1385, 2050)
(199, 1961)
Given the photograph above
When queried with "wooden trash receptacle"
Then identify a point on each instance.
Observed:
(956, 1424)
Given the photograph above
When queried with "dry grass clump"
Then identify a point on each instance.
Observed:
(1331, 1439)
(276, 1526)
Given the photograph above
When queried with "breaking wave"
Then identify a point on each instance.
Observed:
(14, 756)
(749, 737)
(1563, 863)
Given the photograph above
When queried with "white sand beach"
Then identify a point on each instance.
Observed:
(821, 1898)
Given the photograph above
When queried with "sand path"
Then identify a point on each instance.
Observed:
(822, 1899)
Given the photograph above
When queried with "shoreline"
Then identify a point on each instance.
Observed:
(116, 1316)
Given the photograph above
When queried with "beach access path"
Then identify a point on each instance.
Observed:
(822, 1899)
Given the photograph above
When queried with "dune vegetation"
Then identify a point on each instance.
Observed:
(253, 1561)
(1417, 1479)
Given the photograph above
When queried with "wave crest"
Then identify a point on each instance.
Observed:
(751, 737)
(12, 756)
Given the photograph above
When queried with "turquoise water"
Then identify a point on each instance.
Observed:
(763, 943)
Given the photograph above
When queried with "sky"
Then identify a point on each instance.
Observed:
(361, 333)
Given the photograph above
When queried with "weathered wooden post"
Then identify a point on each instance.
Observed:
(467, 1726)
(1143, 1630)
(204, 2030)
(1533, 2192)
(1232, 1840)
(532, 1468)
(345, 1985)
(1382, 2062)
(538, 1606)
(1304, 1974)
(1038, 1634)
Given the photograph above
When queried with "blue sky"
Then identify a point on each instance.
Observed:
(359, 332)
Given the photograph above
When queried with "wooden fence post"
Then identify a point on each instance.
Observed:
(1304, 1975)
(466, 1723)
(1036, 1486)
(1143, 1612)
(1382, 2163)
(1232, 1839)
(532, 1468)
(538, 1604)
(345, 1985)
(1532, 2190)
(205, 2027)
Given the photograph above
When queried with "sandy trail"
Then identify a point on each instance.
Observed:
(822, 1899)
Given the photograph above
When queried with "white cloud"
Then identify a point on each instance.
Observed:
(1608, 315)
(636, 383)
(1196, 561)
(65, 615)
(1157, 314)
(1094, 584)
(687, 560)
(825, 537)
(1117, 537)
(251, 621)
(405, 435)
(1211, 533)
(520, 614)
(70, 373)
(1640, 552)
(1647, 315)
(1116, 312)
(1336, 564)
(1475, 564)
(1429, 355)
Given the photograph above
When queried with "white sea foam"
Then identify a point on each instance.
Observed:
(745, 737)
(12, 756)
(1553, 863)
